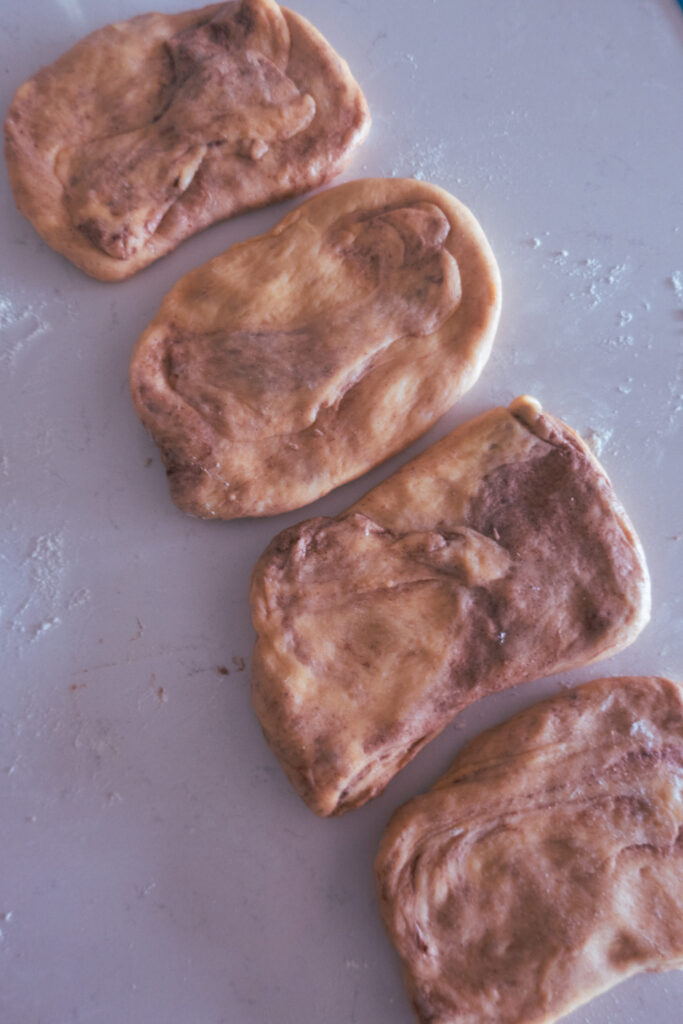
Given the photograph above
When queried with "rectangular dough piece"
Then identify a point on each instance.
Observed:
(149, 130)
(299, 359)
(547, 864)
(499, 555)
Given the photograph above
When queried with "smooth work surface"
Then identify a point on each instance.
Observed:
(155, 865)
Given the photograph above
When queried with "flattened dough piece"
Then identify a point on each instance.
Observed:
(547, 864)
(151, 129)
(300, 359)
(499, 555)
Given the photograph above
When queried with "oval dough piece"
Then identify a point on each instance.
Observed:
(547, 864)
(151, 129)
(298, 360)
(499, 555)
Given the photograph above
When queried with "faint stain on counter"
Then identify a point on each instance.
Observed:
(96, 739)
(239, 664)
(140, 629)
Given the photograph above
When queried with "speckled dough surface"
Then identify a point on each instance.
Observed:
(547, 864)
(298, 360)
(499, 555)
(149, 130)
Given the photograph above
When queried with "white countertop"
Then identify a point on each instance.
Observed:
(156, 866)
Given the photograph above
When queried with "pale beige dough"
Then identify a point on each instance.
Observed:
(499, 555)
(151, 129)
(298, 360)
(547, 864)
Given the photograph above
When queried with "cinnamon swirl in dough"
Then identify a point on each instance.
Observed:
(298, 360)
(149, 130)
(547, 864)
(499, 555)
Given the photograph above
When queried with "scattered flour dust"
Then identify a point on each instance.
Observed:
(356, 965)
(42, 570)
(78, 598)
(5, 918)
(425, 161)
(596, 281)
(598, 439)
(675, 403)
(594, 285)
(559, 258)
(602, 283)
(46, 560)
(19, 326)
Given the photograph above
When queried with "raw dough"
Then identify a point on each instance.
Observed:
(499, 555)
(149, 130)
(298, 360)
(547, 864)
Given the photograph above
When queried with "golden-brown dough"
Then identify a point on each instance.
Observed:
(149, 130)
(547, 864)
(499, 555)
(300, 359)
